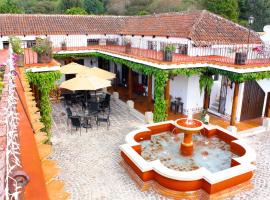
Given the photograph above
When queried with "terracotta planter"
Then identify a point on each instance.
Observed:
(128, 48)
(20, 61)
(42, 58)
(64, 47)
(167, 55)
(240, 58)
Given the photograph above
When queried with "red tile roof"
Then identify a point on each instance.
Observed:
(199, 26)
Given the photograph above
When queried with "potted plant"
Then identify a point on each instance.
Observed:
(240, 57)
(64, 45)
(16, 44)
(127, 43)
(43, 49)
(168, 52)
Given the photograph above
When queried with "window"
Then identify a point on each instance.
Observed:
(112, 41)
(30, 43)
(144, 80)
(182, 49)
(152, 45)
(92, 42)
(5, 45)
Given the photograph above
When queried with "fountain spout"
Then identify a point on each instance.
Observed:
(189, 118)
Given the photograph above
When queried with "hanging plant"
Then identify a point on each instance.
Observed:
(45, 82)
(206, 83)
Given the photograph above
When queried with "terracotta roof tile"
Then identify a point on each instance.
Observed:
(199, 26)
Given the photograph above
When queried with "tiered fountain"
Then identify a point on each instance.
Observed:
(212, 159)
(188, 126)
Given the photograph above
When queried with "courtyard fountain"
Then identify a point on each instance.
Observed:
(186, 155)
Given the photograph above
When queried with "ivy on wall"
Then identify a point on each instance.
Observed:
(161, 76)
(45, 82)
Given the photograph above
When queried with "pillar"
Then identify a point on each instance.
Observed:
(149, 95)
(167, 95)
(206, 99)
(116, 78)
(268, 106)
(234, 104)
(130, 83)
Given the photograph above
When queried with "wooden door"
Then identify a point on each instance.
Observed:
(223, 95)
(267, 104)
(253, 99)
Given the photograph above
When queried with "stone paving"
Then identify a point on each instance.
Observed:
(90, 163)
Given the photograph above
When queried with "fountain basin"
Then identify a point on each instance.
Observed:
(240, 168)
(193, 125)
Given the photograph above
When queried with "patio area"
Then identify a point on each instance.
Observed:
(91, 163)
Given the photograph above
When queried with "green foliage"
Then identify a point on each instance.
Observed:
(16, 44)
(67, 4)
(45, 82)
(9, 6)
(206, 83)
(76, 11)
(170, 47)
(94, 6)
(259, 9)
(225, 8)
(43, 46)
(143, 12)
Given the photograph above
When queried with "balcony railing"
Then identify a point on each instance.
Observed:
(228, 55)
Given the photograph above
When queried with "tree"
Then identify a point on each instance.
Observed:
(225, 8)
(259, 9)
(10, 7)
(66, 4)
(76, 11)
(94, 6)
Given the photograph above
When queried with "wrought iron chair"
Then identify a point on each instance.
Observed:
(76, 122)
(69, 114)
(103, 118)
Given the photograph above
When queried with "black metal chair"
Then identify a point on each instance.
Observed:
(94, 108)
(104, 118)
(69, 114)
(76, 122)
(106, 102)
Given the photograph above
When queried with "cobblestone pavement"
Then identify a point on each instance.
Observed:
(90, 163)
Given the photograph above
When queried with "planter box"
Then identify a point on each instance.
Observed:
(240, 58)
(167, 56)
(64, 47)
(20, 61)
(43, 58)
(128, 48)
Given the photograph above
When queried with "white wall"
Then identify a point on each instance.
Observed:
(188, 89)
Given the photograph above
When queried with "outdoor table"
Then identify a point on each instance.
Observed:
(85, 117)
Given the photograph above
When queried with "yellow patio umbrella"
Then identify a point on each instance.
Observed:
(73, 68)
(95, 71)
(85, 82)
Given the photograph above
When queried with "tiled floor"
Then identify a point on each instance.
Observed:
(90, 163)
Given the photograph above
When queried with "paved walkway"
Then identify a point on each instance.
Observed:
(90, 162)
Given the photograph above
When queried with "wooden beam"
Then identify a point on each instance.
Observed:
(268, 106)
(234, 104)
(130, 85)
(116, 78)
(149, 95)
(167, 95)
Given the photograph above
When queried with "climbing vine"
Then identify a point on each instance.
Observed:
(161, 76)
(45, 82)
(206, 83)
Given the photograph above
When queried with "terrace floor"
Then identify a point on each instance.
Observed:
(140, 104)
(90, 163)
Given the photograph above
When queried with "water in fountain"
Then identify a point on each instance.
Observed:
(189, 118)
(215, 156)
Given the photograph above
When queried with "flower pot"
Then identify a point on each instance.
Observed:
(240, 58)
(128, 48)
(45, 58)
(64, 47)
(167, 55)
(39, 58)
(20, 61)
